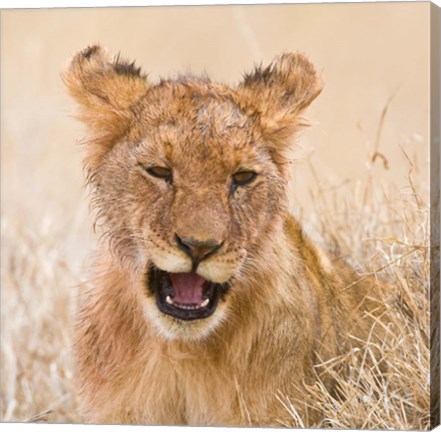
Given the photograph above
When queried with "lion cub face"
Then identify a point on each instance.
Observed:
(205, 193)
(189, 177)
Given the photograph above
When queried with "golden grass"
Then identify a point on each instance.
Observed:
(38, 303)
(383, 232)
(379, 228)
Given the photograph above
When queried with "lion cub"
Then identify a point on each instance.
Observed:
(207, 300)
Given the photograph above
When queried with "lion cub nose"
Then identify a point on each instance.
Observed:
(197, 250)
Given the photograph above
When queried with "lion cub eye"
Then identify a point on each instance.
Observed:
(160, 172)
(243, 178)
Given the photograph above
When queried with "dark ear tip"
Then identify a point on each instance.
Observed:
(122, 67)
(90, 51)
(90, 54)
(88, 59)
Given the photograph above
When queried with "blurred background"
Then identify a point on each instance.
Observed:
(374, 60)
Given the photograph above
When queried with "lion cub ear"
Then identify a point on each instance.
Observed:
(278, 94)
(105, 88)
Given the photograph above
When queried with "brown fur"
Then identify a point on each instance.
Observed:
(289, 307)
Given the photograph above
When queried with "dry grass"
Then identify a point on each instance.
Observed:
(378, 228)
(383, 232)
(38, 303)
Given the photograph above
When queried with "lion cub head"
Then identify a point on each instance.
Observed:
(189, 177)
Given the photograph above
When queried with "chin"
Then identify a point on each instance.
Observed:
(184, 306)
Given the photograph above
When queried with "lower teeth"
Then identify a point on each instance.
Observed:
(170, 301)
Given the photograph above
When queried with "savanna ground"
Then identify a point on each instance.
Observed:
(363, 192)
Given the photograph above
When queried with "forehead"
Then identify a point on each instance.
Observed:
(198, 122)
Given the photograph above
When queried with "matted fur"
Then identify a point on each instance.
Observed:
(290, 307)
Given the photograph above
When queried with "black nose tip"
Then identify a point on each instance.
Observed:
(197, 250)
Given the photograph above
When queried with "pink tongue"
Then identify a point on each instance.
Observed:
(187, 288)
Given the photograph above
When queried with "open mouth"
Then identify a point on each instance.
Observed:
(187, 296)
